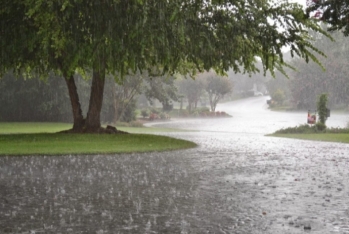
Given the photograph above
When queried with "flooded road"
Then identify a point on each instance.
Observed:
(236, 181)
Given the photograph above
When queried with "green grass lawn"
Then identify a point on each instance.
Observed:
(331, 137)
(16, 127)
(42, 139)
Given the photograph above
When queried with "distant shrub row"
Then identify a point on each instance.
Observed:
(317, 128)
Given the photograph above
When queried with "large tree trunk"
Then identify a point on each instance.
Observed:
(75, 103)
(93, 121)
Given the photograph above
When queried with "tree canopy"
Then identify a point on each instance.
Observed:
(334, 12)
(113, 36)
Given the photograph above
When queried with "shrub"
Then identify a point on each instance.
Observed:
(122, 124)
(317, 128)
(322, 109)
(320, 126)
(144, 113)
(337, 130)
(162, 116)
(203, 109)
(279, 96)
(305, 128)
(155, 111)
(136, 124)
(184, 113)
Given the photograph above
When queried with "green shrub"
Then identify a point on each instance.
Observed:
(162, 115)
(136, 124)
(320, 126)
(279, 96)
(317, 128)
(155, 111)
(184, 113)
(322, 109)
(203, 109)
(145, 113)
(337, 130)
(122, 124)
(305, 128)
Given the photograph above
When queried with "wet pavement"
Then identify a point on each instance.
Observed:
(236, 181)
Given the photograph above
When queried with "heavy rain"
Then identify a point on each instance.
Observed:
(228, 76)
(236, 181)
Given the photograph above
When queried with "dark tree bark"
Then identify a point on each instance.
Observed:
(93, 122)
(75, 103)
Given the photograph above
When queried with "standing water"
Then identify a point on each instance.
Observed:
(236, 181)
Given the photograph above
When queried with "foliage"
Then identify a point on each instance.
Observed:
(122, 96)
(278, 96)
(307, 129)
(33, 99)
(127, 113)
(161, 88)
(322, 108)
(144, 113)
(245, 84)
(192, 89)
(320, 126)
(120, 37)
(44, 100)
(216, 87)
(134, 124)
(334, 12)
(309, 81)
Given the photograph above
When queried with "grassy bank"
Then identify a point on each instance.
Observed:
(330, 137)
(41, 139)
(317, 132)
(62, 144)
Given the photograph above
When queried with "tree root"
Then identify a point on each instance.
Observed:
(108, 130)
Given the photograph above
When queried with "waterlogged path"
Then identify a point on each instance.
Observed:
(236, 181)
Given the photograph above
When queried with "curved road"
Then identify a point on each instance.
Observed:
(236, 181)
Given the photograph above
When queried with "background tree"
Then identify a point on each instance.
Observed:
(216, 87)
(245, 85)
(33, 99)
(124, 95)
(309, 80)
(278, 96)
(192, 89)
(161, 88)
(111, 36)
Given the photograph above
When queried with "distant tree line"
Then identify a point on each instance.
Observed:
(47, 100)
(34, 99)
(309, 80)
